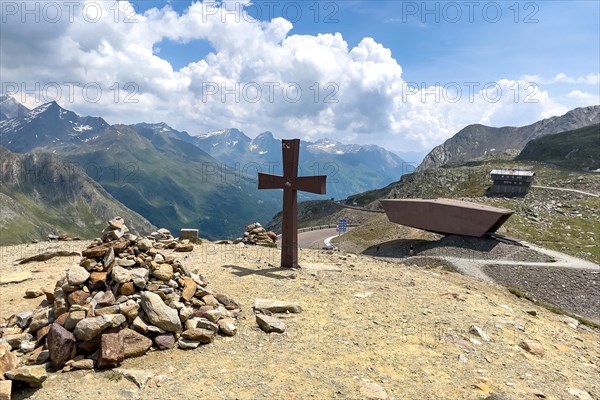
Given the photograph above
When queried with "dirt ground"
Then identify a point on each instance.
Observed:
(400, 327)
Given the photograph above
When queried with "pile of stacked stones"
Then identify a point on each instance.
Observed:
(255, 234)
(123, 298)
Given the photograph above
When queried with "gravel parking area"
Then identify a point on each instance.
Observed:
(573, 290)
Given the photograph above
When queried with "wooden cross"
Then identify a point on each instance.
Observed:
(290, 182)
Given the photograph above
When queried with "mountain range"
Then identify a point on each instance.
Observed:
(350, 168)
(153, 170)
(479, 142)
(41, 194)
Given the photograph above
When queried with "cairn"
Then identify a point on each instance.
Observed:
(123, 298)
(255, 234)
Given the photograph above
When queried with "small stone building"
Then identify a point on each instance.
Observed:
(511, 181)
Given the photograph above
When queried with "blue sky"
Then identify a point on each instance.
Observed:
(370, 51)
(435, 44)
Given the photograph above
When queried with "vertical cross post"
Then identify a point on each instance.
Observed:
(290, 182)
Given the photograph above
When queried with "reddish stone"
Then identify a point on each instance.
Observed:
(97, 280)
(42, 333)
(127, 289)
(112, 350)
(61, 319)
(61, 344)
(135, 344)
(107, 299)
(164, 341)
(189, 288)
(89, 346)
(78, 297)
(98, 251)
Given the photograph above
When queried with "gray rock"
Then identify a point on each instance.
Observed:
(86, 363)
(139, 326)
(276, 306)
(187, 344)
(270, 324)
(477, 331)
(227, 326)
(186, 313)
(24, 319)
(15, 339)
(144, 244)
(159, 313)
(74, 318)
(126, 263)
(227, 301)
(206, 324)
(89, 328)
(27, 346)
(139, 277)
(41, 318)
(120, 274)
(109, 257)
(77, 275)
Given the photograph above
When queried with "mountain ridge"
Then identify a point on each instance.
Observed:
(42, 194)
(480, 142)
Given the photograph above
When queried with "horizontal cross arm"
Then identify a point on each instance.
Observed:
(268, 181)
(312, 184)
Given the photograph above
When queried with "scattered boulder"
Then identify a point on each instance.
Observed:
(269, 323)
(533, 347)
(372, 391)
(276, 306)
(477, 331)
(32, 375)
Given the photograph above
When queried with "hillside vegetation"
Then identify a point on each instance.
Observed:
(40, 194)
(577, 149)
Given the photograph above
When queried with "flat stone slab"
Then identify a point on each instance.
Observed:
(270, 324)
(276, 306)
(15, 277)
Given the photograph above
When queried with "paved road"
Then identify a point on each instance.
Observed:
(314, 239)
(566, 190)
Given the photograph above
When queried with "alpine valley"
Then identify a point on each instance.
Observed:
(168, 178)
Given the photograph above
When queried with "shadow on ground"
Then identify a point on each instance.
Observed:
(445, 246)
(273, 272)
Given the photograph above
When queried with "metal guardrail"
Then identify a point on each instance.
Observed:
(319, 227)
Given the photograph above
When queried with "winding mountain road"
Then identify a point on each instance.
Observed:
(566, 190)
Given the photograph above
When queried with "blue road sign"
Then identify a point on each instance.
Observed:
(342, 225)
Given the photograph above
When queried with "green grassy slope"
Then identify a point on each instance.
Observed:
(576, 149)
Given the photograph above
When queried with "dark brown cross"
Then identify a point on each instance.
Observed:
(290, 182)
